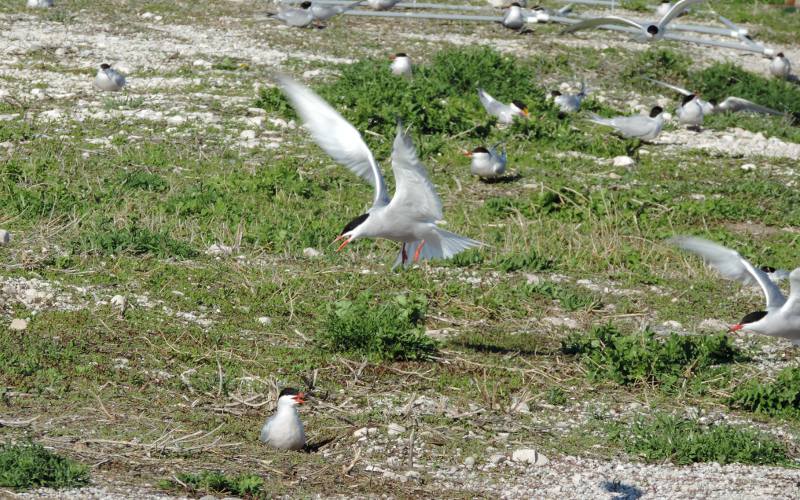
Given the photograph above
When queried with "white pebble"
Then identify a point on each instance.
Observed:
(5, 237)
(623, 161)
(395, 429)
(265, 320)
(530, 456)
(18, 325)
(311, 252)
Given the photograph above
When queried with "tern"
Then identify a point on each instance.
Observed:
(513, 18)
(569, 103)
(401, 65)
(382, 4)
(298, 18)
(782, 315)
(780, 67)
(650, 32)
(39, 4)
(324, 12)
(641, 127)
(690, 112)
(284, 430)
(487, 163)
(504, 113)
(728, 105)
(108, 79)
(411, 216)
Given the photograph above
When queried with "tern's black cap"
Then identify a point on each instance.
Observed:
(515, 4)
(687, 98)
(401, 54)
(105, 66)
(305, 5)
(555, 93)
(288, 392)
(354, 223)
(779, 54)
(480, 149)
(652, 29)
(657, 110)
(753, 317)
(520, 104)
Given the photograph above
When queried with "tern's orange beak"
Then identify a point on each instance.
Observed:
(736, 327)
(468, 154)
(300, 398)
(525, 113)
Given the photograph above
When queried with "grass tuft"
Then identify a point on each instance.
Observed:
(780, 398)
(247, 486)
(386, 332)
(25, 466)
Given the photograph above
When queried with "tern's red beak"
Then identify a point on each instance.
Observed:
(736, 327)
(344, 244)
(300, 398)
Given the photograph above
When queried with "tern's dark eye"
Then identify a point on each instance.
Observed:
(652, 29)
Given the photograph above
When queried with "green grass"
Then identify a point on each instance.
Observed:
(643, 359)
(683, 442)
(26, 466)
(779, 398)
(247, 486)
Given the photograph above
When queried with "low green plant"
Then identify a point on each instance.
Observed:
(778, 398)
(659, 64)
(30, 465)
(683, 442)
(247, 486)
(528, 261)
(388, 331)
(568, 299)
(556, 396)
(721, 80)
(642, 358)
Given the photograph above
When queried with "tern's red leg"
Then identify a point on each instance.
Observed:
(419, 249)
(404, 254)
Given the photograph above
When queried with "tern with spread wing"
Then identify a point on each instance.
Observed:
(504, 113)
(411, 216)
(650, 32)
(782, 315)
(641, 127)
(728, 105)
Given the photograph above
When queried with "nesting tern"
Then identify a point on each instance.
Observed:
(513, 18)
(108, 79)
(284, 430)
(782, 315)
(641, 127)
(649, 32)
(780, 67)
(411, 216)
(569, 103)
(298, 18)
(504, 113)
(382, 4)
(487, 163)
(39, 4)
(690, 111)
(401, 65)
(728, 105)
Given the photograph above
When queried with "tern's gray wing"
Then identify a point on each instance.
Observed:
(492, 105)
(732, 266)
(676, 11)
(295, 17)
(737, 104)
(414, 193)
(677, 89)
(602, 21)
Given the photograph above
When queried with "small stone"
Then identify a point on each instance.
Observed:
(365, 431)
(530, 456)
(208, 497)
(412, 474)
(311, 252)
(119, 301)
(712, 325)
(533, 279)
(247, 135)
(497, 458)
(18, 324)
(395, 429)
(469, 461)
(264, 320)
(748, 167)
(5, 237)
(623, 161)
(201, 63)
(219, 249)
(672, 325)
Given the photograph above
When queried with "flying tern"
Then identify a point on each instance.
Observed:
(108, 79)
(690, 111)
(641, 127)
(728, 105)
(298, 18)
(323, 12)
(284, 430)
(487, 163)
(650, 31)
(780, 67)
(569, 103)
(504, 113)
(401, 65)
(411, 216)
(782, 315)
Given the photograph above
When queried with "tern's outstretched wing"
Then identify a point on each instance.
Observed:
(602, 21)
(492, 105)
(414, 192)
(677, 89)
(335, 135)
(794, 293)
(676, 11)
(736, 104)
(732, 266)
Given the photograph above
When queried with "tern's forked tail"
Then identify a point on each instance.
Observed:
(440, 245)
